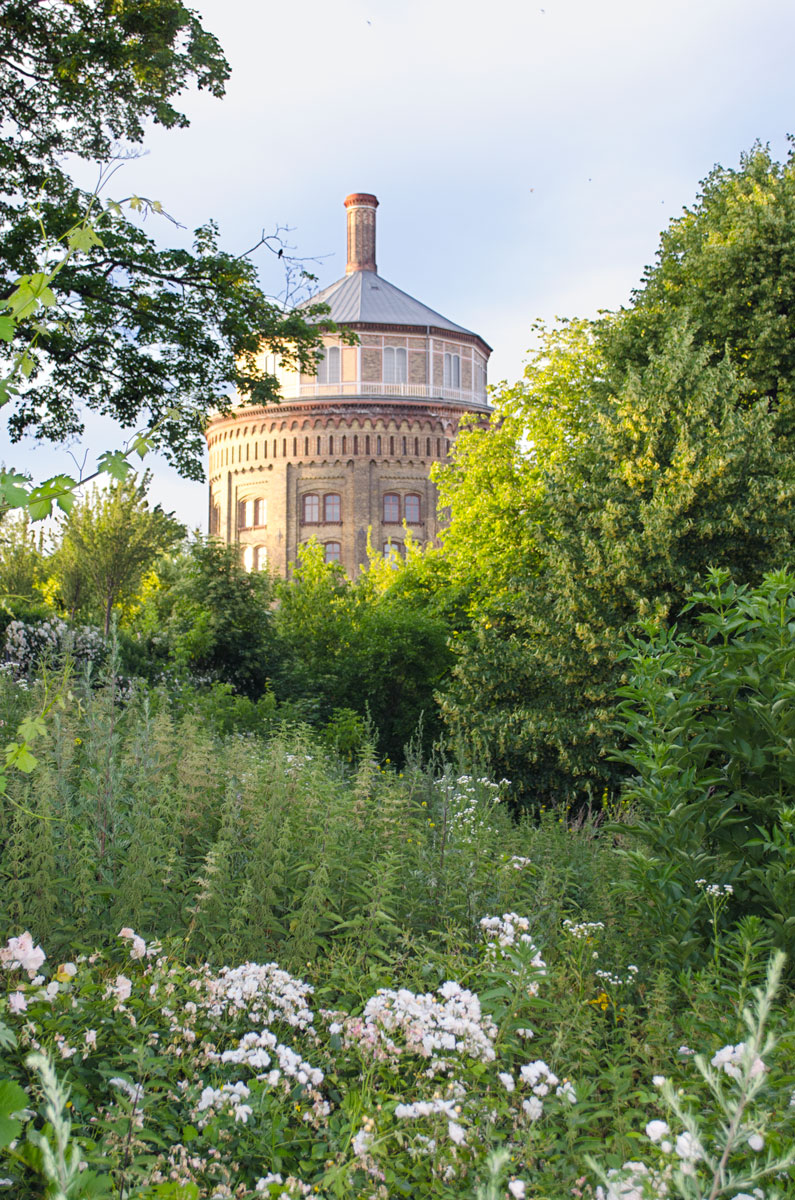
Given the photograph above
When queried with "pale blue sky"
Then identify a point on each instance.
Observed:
(525, 156)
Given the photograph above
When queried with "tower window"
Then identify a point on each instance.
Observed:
(330, 444)
(332, 508)
(332, 552)
(344, 444)
(367, 444)
(393, 550)
(306, 447)
(395, 365)
(405, 451)
(427, 447)
(318, 445)
(392, 446)
(452, 370)
(328, 369)
(295, 447)
(310, 509)
(378, 444)
(355, 444)
(391, 508)
(411, 509)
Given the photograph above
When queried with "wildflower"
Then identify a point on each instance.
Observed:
(17, 1002)
(689, 1148)
(506, 1079)
(456, 1133)
(656, 1130)
(517, 1189)
(65, 972)
(20, 952)
(756, 1141)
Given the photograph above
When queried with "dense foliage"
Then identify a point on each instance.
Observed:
(637, 452)
(149, 328)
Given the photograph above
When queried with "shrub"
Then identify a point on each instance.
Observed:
(710, 725)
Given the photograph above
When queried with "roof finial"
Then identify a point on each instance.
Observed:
(361, 208)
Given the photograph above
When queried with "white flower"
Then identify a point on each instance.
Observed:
(688, 1148)
(456, 1133)
(533, 1107)
(656, 1130)
(658, 1080)
(20, 952)
(17, 1002)
(506, 1079)
(756, 1141)
(517, 1188)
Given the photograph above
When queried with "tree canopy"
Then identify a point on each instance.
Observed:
(639, 451)
(148, 327)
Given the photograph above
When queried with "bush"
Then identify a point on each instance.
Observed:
(710, 725)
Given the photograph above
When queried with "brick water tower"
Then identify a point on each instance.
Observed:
(349, 449)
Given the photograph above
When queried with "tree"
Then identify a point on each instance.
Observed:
(147, 328)
(22, 562)
(214, 617)
(109, 541)
(673, 476)
(728, 265)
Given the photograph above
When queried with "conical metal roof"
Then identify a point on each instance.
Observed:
(364, 296)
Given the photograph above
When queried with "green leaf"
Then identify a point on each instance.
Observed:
(13, 1099)
(7, 328)
(83, 239)
(18, 755)
(115, 464)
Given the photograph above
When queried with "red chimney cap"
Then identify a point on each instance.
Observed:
(361, 198)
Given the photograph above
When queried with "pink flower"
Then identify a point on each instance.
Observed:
(20, 952)
(17, 1002)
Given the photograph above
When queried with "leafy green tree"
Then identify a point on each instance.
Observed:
(213, 617)
(22, 559)
(375, 647)
(675, 475)
(109, 541)
(147, 327)
(728, 264)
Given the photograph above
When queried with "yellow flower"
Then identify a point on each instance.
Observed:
(66, 972)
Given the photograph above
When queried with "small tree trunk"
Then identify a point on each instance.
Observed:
(108, 611)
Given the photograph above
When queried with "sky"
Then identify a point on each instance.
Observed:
(525, 155)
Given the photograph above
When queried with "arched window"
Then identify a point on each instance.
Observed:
(395, 365)
(249, 555)
(393, 549)
(367, 444)
(306, 447)
(355, 444)
(295, 447)
(332, 508)
(318, 445)
(378, 444)
(411, 509)
(392, 446)
(344, 444)
(452, 371)
(328, 369)
(332, 552)
(427, 447)
(262, 557)
(310, 509)
(260, 512)
(330, 444)
(391, 508)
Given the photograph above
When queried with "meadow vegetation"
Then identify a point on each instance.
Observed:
(471, 878)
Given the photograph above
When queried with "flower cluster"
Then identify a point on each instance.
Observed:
(26, 645)
(432, 1026)
(716, 890)
(19, 953)
(263, 991)
(730, 1060)
(583, 930)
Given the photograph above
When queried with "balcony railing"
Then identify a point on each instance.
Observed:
(411, 391)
